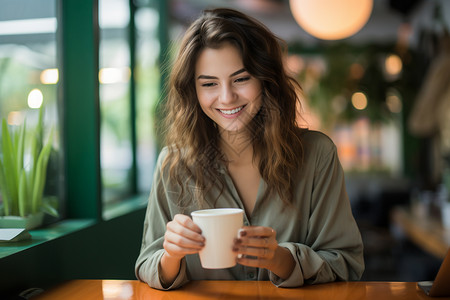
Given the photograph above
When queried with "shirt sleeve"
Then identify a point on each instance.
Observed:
(158, 213)
(333, 249)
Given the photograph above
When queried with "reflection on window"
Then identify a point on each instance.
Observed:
(115, 97)
(147, 78)
(114, 77)
(29, 74)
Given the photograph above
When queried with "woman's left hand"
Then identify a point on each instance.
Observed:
(257, 246)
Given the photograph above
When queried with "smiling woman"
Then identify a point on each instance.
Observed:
(233, 142)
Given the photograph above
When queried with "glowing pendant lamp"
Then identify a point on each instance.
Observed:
(331, 19)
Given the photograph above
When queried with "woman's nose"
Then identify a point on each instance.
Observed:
(227, 95)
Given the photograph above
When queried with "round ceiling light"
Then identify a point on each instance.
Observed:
(331, 19)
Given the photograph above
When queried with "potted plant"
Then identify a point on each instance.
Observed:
(23, 170)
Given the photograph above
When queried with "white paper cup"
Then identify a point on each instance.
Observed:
(219, 227)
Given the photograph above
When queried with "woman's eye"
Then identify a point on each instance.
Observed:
(208, 84)
(242, 79)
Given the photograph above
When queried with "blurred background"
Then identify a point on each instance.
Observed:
(380, 89)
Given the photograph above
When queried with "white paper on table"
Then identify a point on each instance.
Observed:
(13, 234)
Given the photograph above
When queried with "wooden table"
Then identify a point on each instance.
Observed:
(425, 231)
(133, 290)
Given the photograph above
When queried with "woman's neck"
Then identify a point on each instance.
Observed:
(236, 146)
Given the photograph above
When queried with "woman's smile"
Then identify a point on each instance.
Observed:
(231, 112)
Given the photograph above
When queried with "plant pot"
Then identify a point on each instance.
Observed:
(30, 222)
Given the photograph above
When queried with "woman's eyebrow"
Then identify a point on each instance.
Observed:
(214, 77)
(238, 72)
(206, 77)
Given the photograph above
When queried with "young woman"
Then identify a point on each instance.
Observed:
(233, 141)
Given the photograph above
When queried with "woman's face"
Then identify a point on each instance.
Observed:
(227, 93)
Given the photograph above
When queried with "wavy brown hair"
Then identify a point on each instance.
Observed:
(192, 137)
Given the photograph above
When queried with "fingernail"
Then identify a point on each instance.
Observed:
(242, 233)
(235, 249)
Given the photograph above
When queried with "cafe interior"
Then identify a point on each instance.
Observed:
(82, 82)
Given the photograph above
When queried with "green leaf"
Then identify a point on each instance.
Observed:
(41, 170)
(20, 149)
(38, 180)
(9, 167)
(40, 128)
(4, 191)
(33, 162)
(50, 205)
(23, 194)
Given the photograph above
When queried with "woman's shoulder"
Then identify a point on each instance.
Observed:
(169, 157)
(315, 137)
(314, 141)
(318, 150)
(162, 155)
(165, 163)
(165, 157)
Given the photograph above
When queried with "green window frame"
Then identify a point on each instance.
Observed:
(79, 63)
(84, 243)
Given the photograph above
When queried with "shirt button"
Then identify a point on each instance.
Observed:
(251, 275)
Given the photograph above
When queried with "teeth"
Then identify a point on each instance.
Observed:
(230, 112)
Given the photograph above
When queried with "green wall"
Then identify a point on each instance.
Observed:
(105, 250)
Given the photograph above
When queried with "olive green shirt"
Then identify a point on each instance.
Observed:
(319, 231)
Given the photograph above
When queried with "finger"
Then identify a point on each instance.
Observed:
(182, 241)
(256, 252)
(257, 242)
(173, 227)
(253, 262)
(258, 231)
(188, 231)
(177, 251)
(187, 222)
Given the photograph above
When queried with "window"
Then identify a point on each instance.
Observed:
(129, 87)
(116, 152)
(107, 74)
(29, 75)
(147, 77)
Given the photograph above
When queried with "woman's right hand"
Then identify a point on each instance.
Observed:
(182, 237)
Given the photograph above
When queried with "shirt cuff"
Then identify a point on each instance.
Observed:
(179, 280)
(296, 277)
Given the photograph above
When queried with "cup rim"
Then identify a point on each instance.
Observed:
(213, 212)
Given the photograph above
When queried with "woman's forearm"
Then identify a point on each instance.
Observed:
(169, 269)
(284, 263)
